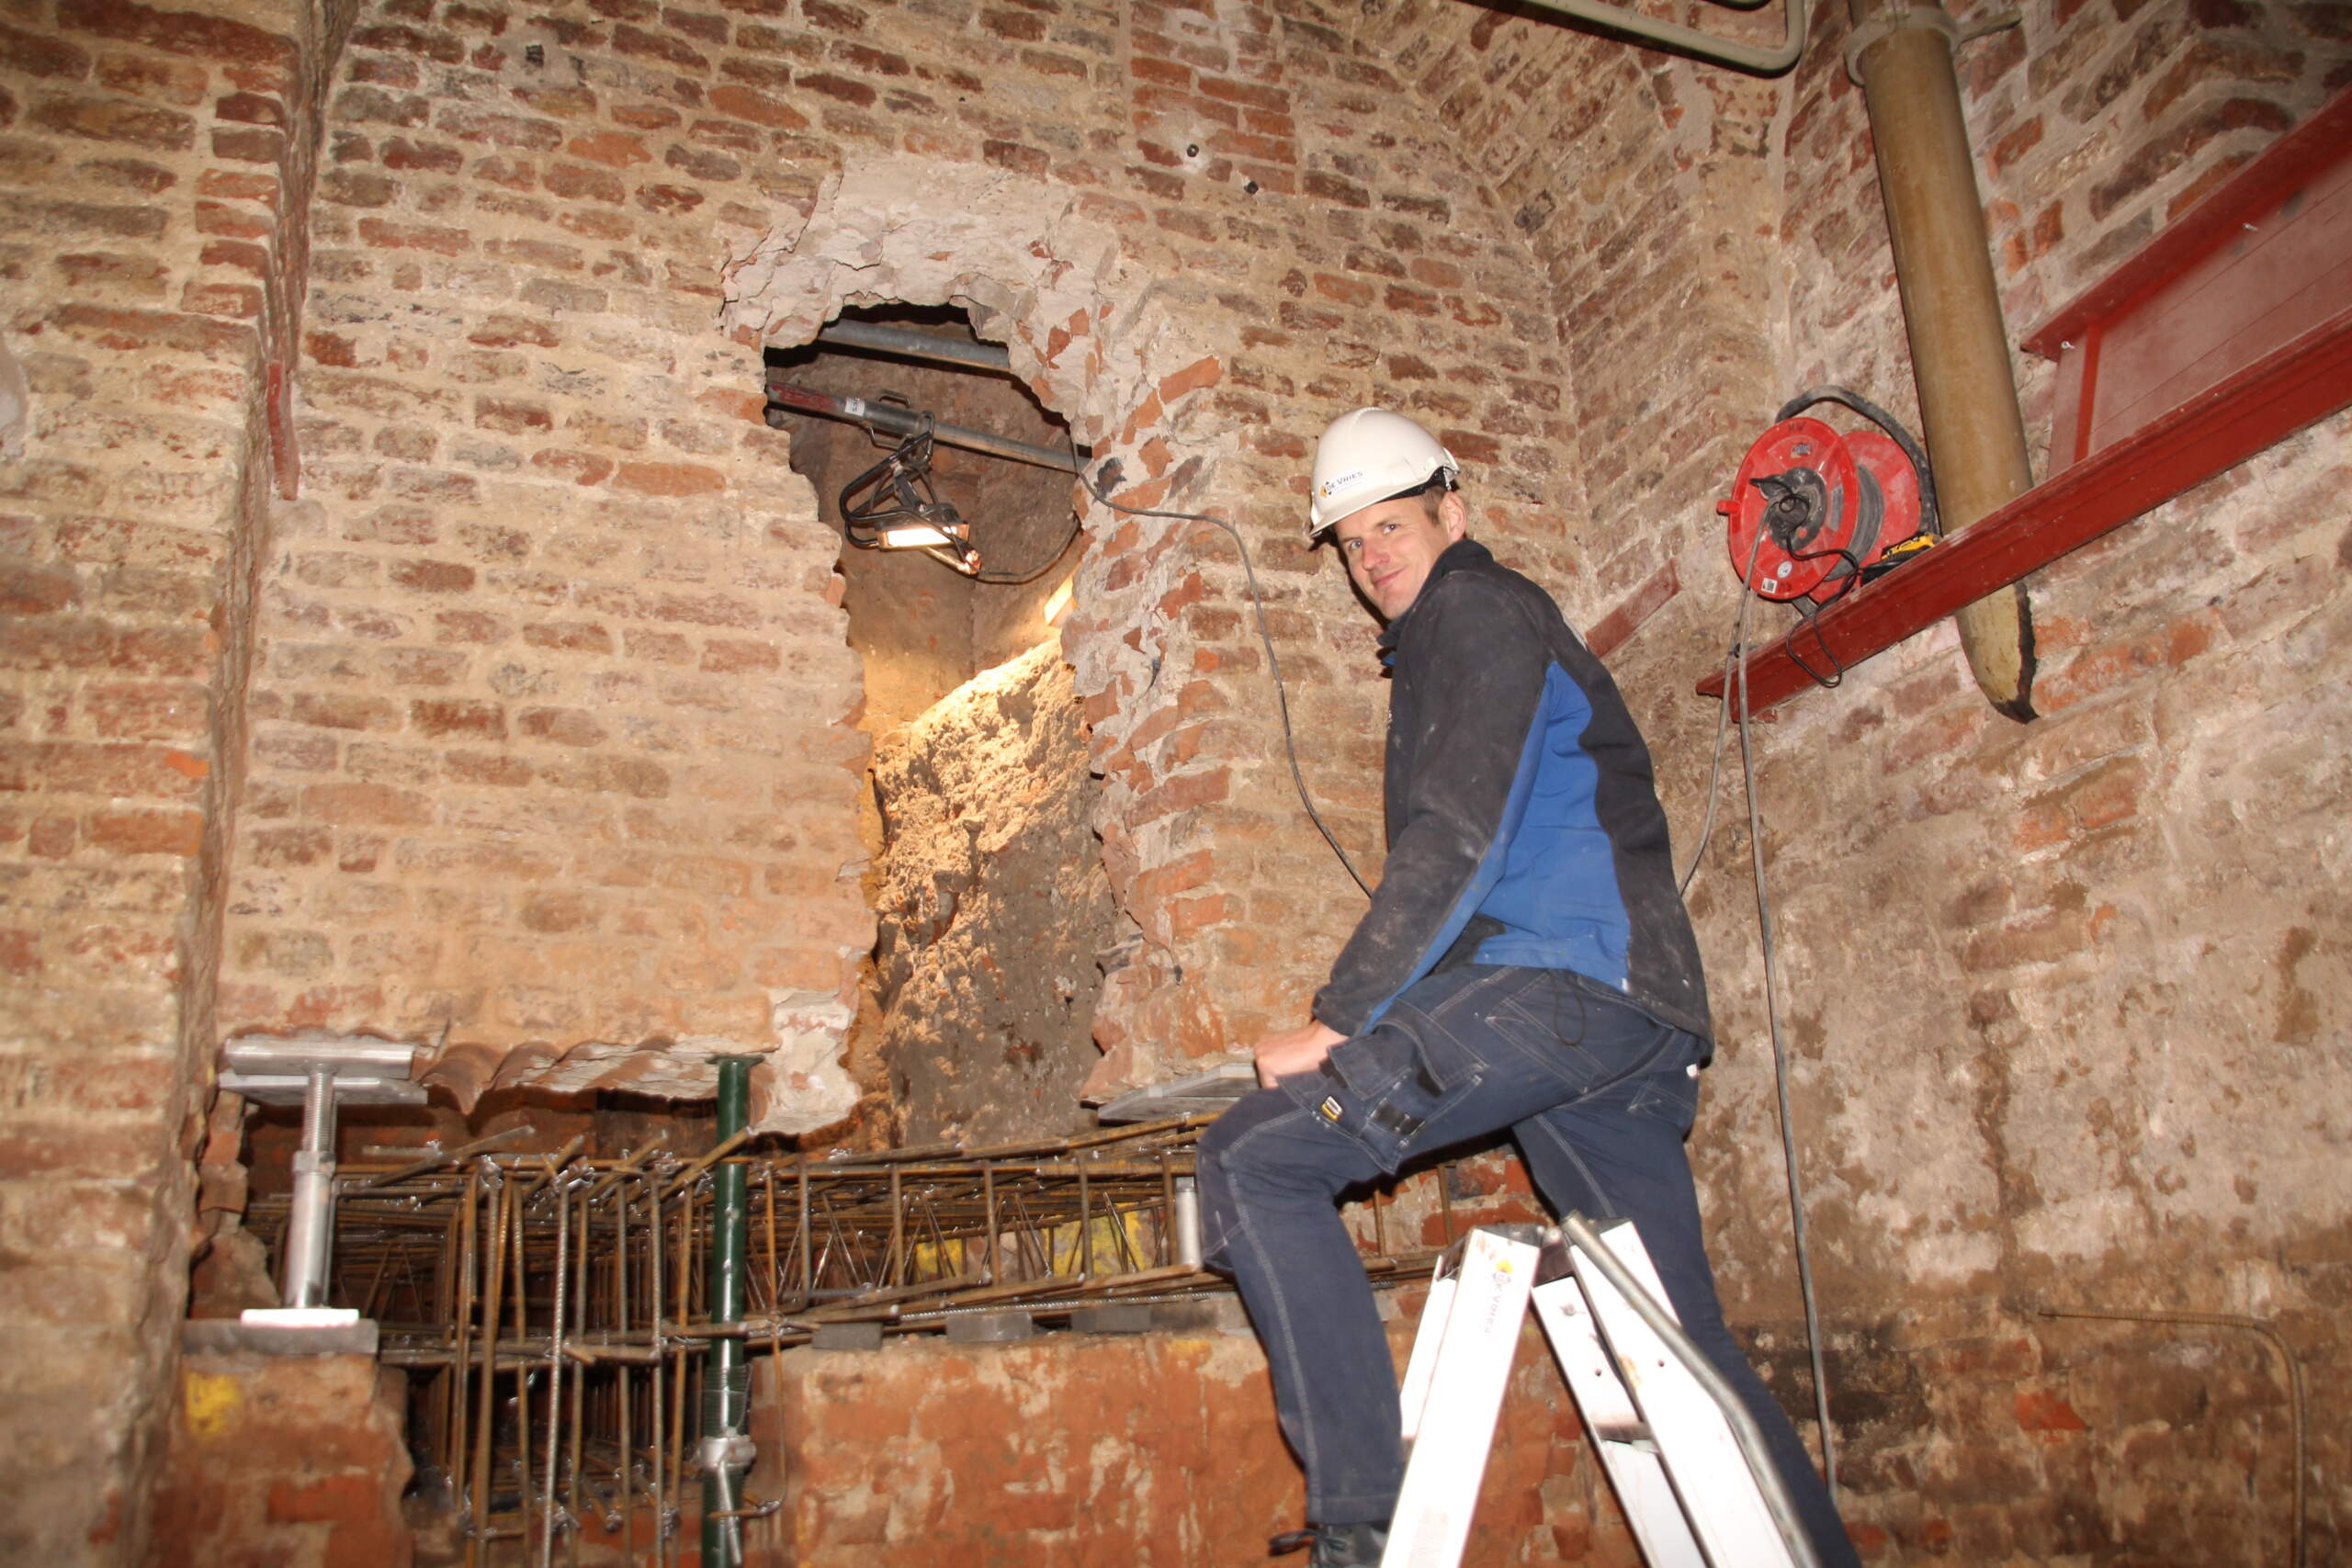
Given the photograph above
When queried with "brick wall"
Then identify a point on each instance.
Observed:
(2117, 908)
(551, 641)
(533, 704)
(1073, 1450)
(297, 1461)
(2056, 992)
(548, 744)
(154, 165)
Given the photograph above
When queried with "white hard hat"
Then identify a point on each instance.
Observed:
(1368, 456)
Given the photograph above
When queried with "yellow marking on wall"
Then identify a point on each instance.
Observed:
(210, 1402)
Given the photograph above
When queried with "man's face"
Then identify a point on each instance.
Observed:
(1390, 545)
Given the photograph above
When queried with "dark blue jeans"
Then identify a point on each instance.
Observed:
(1599, 1096)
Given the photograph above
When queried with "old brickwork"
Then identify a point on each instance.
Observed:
(2058, 993)
(548, 745)
(154, 164)
(551, 637)
(1076, 1451)
(2128, 914)
(297, 1461)
(546, 751)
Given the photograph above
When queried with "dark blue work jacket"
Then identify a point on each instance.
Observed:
(1523, 814)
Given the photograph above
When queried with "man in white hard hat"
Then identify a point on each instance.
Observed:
(1526, 963)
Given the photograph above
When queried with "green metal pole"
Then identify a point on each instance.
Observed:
(727, 1376)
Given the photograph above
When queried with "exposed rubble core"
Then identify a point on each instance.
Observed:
(995, 910)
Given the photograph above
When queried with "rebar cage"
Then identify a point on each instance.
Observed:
(551, 1307)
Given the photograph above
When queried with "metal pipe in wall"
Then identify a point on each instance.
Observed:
(893, 419)
(907, 343)
(1943, 265)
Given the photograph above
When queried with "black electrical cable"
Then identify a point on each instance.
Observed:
(1736, 673)
(1041, 568)
(1780, 1085)
(1274, 665)
(1846, 584)
(1047, 565)
(1931, 520)
(1723, 721)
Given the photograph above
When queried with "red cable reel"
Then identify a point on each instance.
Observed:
(1814, 510)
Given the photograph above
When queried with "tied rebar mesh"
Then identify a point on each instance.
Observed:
(552, 1309)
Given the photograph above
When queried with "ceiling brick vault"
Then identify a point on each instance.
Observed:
(411, 627)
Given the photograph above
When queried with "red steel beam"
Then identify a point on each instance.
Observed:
(2096, 486)
(2305, 380)
(2293, 160)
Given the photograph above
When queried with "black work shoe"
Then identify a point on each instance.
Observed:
(1335, 1546)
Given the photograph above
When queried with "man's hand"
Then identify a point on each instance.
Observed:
(1294, 1051)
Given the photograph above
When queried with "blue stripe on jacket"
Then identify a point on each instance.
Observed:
(1549, 839)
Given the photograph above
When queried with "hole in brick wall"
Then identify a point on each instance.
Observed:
(922, 628)
(977, 1015)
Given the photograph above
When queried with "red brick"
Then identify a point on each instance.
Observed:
(1019, 26)
(502, 772)
(498, 130)
(164, 80)
(74, 767)
(469, 625)
(238, 302)
(567, 727)
(669, 201)
(385, 234)
(28, 590)
(453, 715)
(110, 120)
(575, 182)
(618, 775)
(847, 90)
(639, 41)
(430, 575)
(251, 109)
(1331, 188)
(367, 804)
(162, 650)
(35, 54)
(53, 838)
(728, 657)
(760, 108)
(514, 417)
(344, 711)
(19, 953)
(577, 637)
(136, 330)
(93, 272)
(277, 847)
(147, 710)
(669, 478)
(212, 217)
(2159, 156)
(514, 331)
(295, 752)
(145, 832)
(2045, 1413)
(184, 32)
(422, 667)
(1193, 377)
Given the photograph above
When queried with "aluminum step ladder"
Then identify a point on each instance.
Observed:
(1683, 1451)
